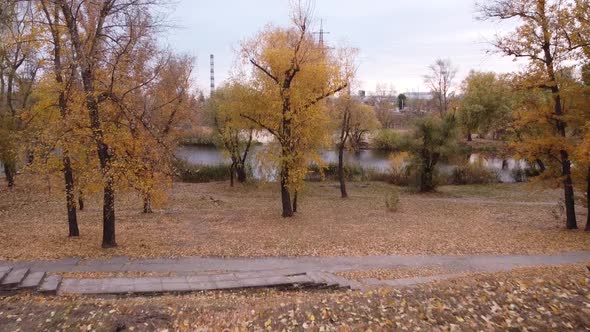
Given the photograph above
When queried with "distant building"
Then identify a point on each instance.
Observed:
(418, 95)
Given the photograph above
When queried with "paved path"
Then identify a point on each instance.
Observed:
(470, 263)
(204, 274)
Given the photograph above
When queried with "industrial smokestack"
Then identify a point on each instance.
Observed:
(212, 73)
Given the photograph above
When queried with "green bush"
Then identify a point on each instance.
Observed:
(202, 173)
(472, 174)
(388, 140)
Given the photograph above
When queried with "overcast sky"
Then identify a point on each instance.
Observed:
(397, 39)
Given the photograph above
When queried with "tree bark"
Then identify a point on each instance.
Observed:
(147, 204)
(427, 171)
(285, 195)
(9, 172)
(541, 165)
(426, 181)
(568, 188)
(231, 175)
(343, 192)
(241, 171)
(566, 171)
(70, 196)
(80, 200)
(108, 216)
(295, 201)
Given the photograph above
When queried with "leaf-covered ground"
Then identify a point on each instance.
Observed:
(555, 299)
(216, 220)
(399, 273)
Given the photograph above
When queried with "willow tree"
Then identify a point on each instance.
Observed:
(235, 132)
(295, 74)
(542, 38)
(485, 105)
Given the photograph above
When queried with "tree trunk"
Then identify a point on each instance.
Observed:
(504, 164)
(241, 171)
(588, 200)
(231, 175)
(87, 73)
(541, 165)
(295, 201)
(426, 181)
(469, 137)
(108, 216)
(9, 172)
(70, 196)
(566, 170)
(427, 171)
(80, 200)
(285, 195)
(147, 204)
(570, 207)
(341, 178)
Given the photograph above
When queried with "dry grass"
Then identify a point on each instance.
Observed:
(538, 299)
(215, 220)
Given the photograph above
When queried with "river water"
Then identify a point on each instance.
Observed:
(374, 159)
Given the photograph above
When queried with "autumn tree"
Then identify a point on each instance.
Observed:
(154, 115)
(64, 79)
(295, 74)
(19, 66)
(581, 24)
(485, 105)
(440, 81)
(354, 120)
(101, 36)
(543, 40)
(236, 133)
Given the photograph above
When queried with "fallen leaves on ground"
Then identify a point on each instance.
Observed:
(399, 273)
(245, 221)
(556, 298)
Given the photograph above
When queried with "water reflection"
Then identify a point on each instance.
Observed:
(377, 160)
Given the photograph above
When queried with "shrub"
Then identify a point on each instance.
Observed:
(472, 174)
(392, 200)
(202, 173)
(388, 140)
(399, 170)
